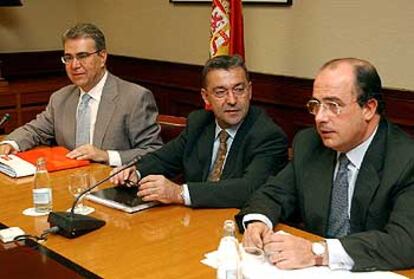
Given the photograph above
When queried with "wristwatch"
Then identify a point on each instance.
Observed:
(319, 250)
(181, 194)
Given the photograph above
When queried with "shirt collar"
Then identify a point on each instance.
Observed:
(96, 91)
(232, 131)
(356, 155)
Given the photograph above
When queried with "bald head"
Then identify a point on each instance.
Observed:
(367, 82)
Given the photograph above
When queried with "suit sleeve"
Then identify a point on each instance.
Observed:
(39, 131)
(393, 246)
(167, 160)
(143, 130)
(277, 199)
(267, 155)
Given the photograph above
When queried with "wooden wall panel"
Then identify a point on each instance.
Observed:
(176, 88)
(31, 64)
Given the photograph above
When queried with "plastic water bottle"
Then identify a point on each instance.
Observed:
(228, 253)
(42, 188)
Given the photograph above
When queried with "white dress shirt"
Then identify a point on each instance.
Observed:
(338, 257)
(96, 94)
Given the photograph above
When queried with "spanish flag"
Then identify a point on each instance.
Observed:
(226, 28)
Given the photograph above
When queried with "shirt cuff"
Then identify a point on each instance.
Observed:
(338, 257)
(12, 143)
(257, 217)
(186, 195)
(114, 158)
(138, 175)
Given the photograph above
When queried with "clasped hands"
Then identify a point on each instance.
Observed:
(151, 187)
(283, 250)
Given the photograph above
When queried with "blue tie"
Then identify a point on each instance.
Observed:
(338, 224)
(83, 125)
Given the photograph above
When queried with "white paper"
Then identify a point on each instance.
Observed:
(15, 166)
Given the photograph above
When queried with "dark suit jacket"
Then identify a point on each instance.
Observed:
(259, 149)
(126, 120)
(382, 212)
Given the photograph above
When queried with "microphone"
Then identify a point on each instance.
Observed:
(6, 117)
(72, 225)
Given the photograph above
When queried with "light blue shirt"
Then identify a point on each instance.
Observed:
(338, 257)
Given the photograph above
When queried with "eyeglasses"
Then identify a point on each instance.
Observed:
(81, 56)
(238, 91)
(314, 106)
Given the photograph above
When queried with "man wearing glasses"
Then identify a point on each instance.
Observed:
(100, 117)
(224, 154)
(351, 181)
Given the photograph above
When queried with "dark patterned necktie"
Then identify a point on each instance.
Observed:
(83, 122)
(221, 156)
(338, 224)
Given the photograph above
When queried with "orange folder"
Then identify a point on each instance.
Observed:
(55, 158)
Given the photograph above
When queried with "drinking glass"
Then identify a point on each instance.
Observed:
(79, 182)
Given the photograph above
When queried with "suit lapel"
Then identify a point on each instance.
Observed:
(69, 116)
(106, 108)
(317, 188)
(237, 141)
(205, 148)
(368, 180)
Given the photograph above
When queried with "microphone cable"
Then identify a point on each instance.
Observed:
(43, 237)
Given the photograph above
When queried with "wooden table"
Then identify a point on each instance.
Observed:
(161, 242)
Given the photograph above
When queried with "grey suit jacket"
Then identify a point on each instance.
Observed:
(382, 212)
(259, 149)
(125, 122)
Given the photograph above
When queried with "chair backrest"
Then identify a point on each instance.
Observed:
(171, 126)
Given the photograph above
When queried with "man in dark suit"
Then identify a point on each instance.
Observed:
(224, 154)
(115, 123)
(351, 181)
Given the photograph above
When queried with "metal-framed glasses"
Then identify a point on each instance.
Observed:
(314, 107)
(238, 91)
(81, 56)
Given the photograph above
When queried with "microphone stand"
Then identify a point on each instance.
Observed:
(6, 117)
(72, 225)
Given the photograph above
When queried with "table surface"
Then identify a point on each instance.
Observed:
(160, 242)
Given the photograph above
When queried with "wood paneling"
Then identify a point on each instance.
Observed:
(31, 64)
(176, 88)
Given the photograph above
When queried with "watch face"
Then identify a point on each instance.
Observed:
(318, 248)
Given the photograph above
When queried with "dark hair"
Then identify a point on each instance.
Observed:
(85, 30)
(223, 62)
(367, 81)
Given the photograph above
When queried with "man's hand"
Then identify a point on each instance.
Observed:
(89, 152)
(129, 174)
(288, 251)
(255, 233)
(159, 188)
(6, 149)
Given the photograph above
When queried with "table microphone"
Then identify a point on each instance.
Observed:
(72, 225)
(6, 117)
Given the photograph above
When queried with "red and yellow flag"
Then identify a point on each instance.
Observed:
(226, 28)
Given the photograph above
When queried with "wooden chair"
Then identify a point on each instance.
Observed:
(171, 126)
